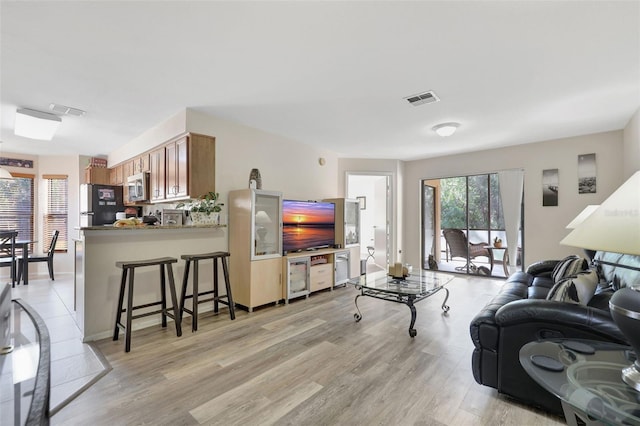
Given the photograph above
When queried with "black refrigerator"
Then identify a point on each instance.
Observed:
(99, 204)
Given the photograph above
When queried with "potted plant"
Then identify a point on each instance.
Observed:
(204, 210)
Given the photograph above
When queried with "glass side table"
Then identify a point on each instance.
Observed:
(24, 365)
(586, 376)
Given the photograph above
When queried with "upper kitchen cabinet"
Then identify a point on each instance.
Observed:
(156, 174)
(183, 168)
(140, 164)
(177, 179)
(115, 175)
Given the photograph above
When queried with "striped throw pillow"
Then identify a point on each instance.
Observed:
(577, 289)
(568, 267)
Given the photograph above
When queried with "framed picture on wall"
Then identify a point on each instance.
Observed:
(587, 174)
(550, 187)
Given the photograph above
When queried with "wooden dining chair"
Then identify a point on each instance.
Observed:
(48, 257)
(8, 252)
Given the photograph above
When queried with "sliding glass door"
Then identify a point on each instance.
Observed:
(462, 217)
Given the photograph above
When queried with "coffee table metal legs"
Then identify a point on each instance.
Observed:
(445, 307)
(407, 300)
(357, 315)
(412, 331)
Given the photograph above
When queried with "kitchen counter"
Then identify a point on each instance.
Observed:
(97, 279)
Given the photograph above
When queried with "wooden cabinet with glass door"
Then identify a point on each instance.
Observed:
(348, 230)
(255, 244)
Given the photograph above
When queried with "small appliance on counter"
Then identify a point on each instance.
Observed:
(99, 204)
(172, 217)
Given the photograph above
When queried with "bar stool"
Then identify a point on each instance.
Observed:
(128, 267)
(372, 251)
(195, 258)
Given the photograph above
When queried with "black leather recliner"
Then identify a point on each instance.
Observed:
(519, 314)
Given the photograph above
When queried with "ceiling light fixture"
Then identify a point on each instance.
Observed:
(446, 129)
(34, 124)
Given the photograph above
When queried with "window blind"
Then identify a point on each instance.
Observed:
(16, 205)
(56, 215)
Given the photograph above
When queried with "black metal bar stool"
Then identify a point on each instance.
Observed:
(128, 267)
(195, 258)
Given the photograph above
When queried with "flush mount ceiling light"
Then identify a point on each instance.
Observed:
(34, 124)
(446, 129)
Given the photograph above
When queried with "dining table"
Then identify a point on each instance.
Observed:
(23, 245)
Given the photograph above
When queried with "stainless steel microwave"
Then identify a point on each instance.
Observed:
(138, 187)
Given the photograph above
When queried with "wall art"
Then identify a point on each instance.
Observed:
(550, 187)
(16, 162)
(587, 174)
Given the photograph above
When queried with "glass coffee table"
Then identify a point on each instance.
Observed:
(408, 290)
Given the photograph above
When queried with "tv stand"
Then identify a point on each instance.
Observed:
(314, 270)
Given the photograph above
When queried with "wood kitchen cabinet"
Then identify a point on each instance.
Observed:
(115, 175)
(177, 179)
(96, 175)
(157, 174)
(183, 168)
(141, 164)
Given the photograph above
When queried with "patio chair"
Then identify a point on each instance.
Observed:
(459, 246)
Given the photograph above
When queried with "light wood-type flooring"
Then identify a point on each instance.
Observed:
(305, 363)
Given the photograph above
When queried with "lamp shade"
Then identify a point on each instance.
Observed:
(262, 218)
(615, 225)
(582, 216)
(34, 124)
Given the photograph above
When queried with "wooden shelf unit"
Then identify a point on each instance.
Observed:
(321, 271)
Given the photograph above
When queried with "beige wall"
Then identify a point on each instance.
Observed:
(544, 226)
(632, 145)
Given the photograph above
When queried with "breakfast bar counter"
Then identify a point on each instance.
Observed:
(97, 279)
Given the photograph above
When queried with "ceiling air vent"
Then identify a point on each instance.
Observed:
(423, 98)
(65, 110)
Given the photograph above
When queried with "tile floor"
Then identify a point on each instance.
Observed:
(74, 365)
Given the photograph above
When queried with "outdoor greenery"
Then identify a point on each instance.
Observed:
(484, 202)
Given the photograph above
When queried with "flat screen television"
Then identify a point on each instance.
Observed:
(307, 225)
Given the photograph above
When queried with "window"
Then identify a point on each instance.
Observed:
(16, 205)
(56, 215)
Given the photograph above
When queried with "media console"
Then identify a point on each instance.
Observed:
(310, 271)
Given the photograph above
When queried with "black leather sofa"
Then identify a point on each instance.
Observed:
(520, 313)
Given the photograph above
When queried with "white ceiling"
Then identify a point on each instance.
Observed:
(327, 73)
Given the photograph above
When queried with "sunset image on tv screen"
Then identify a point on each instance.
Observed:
(307, 225)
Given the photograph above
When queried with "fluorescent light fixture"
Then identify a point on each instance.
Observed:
(34, 124)
(582, 216)
(4, 174)
(446, 129)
